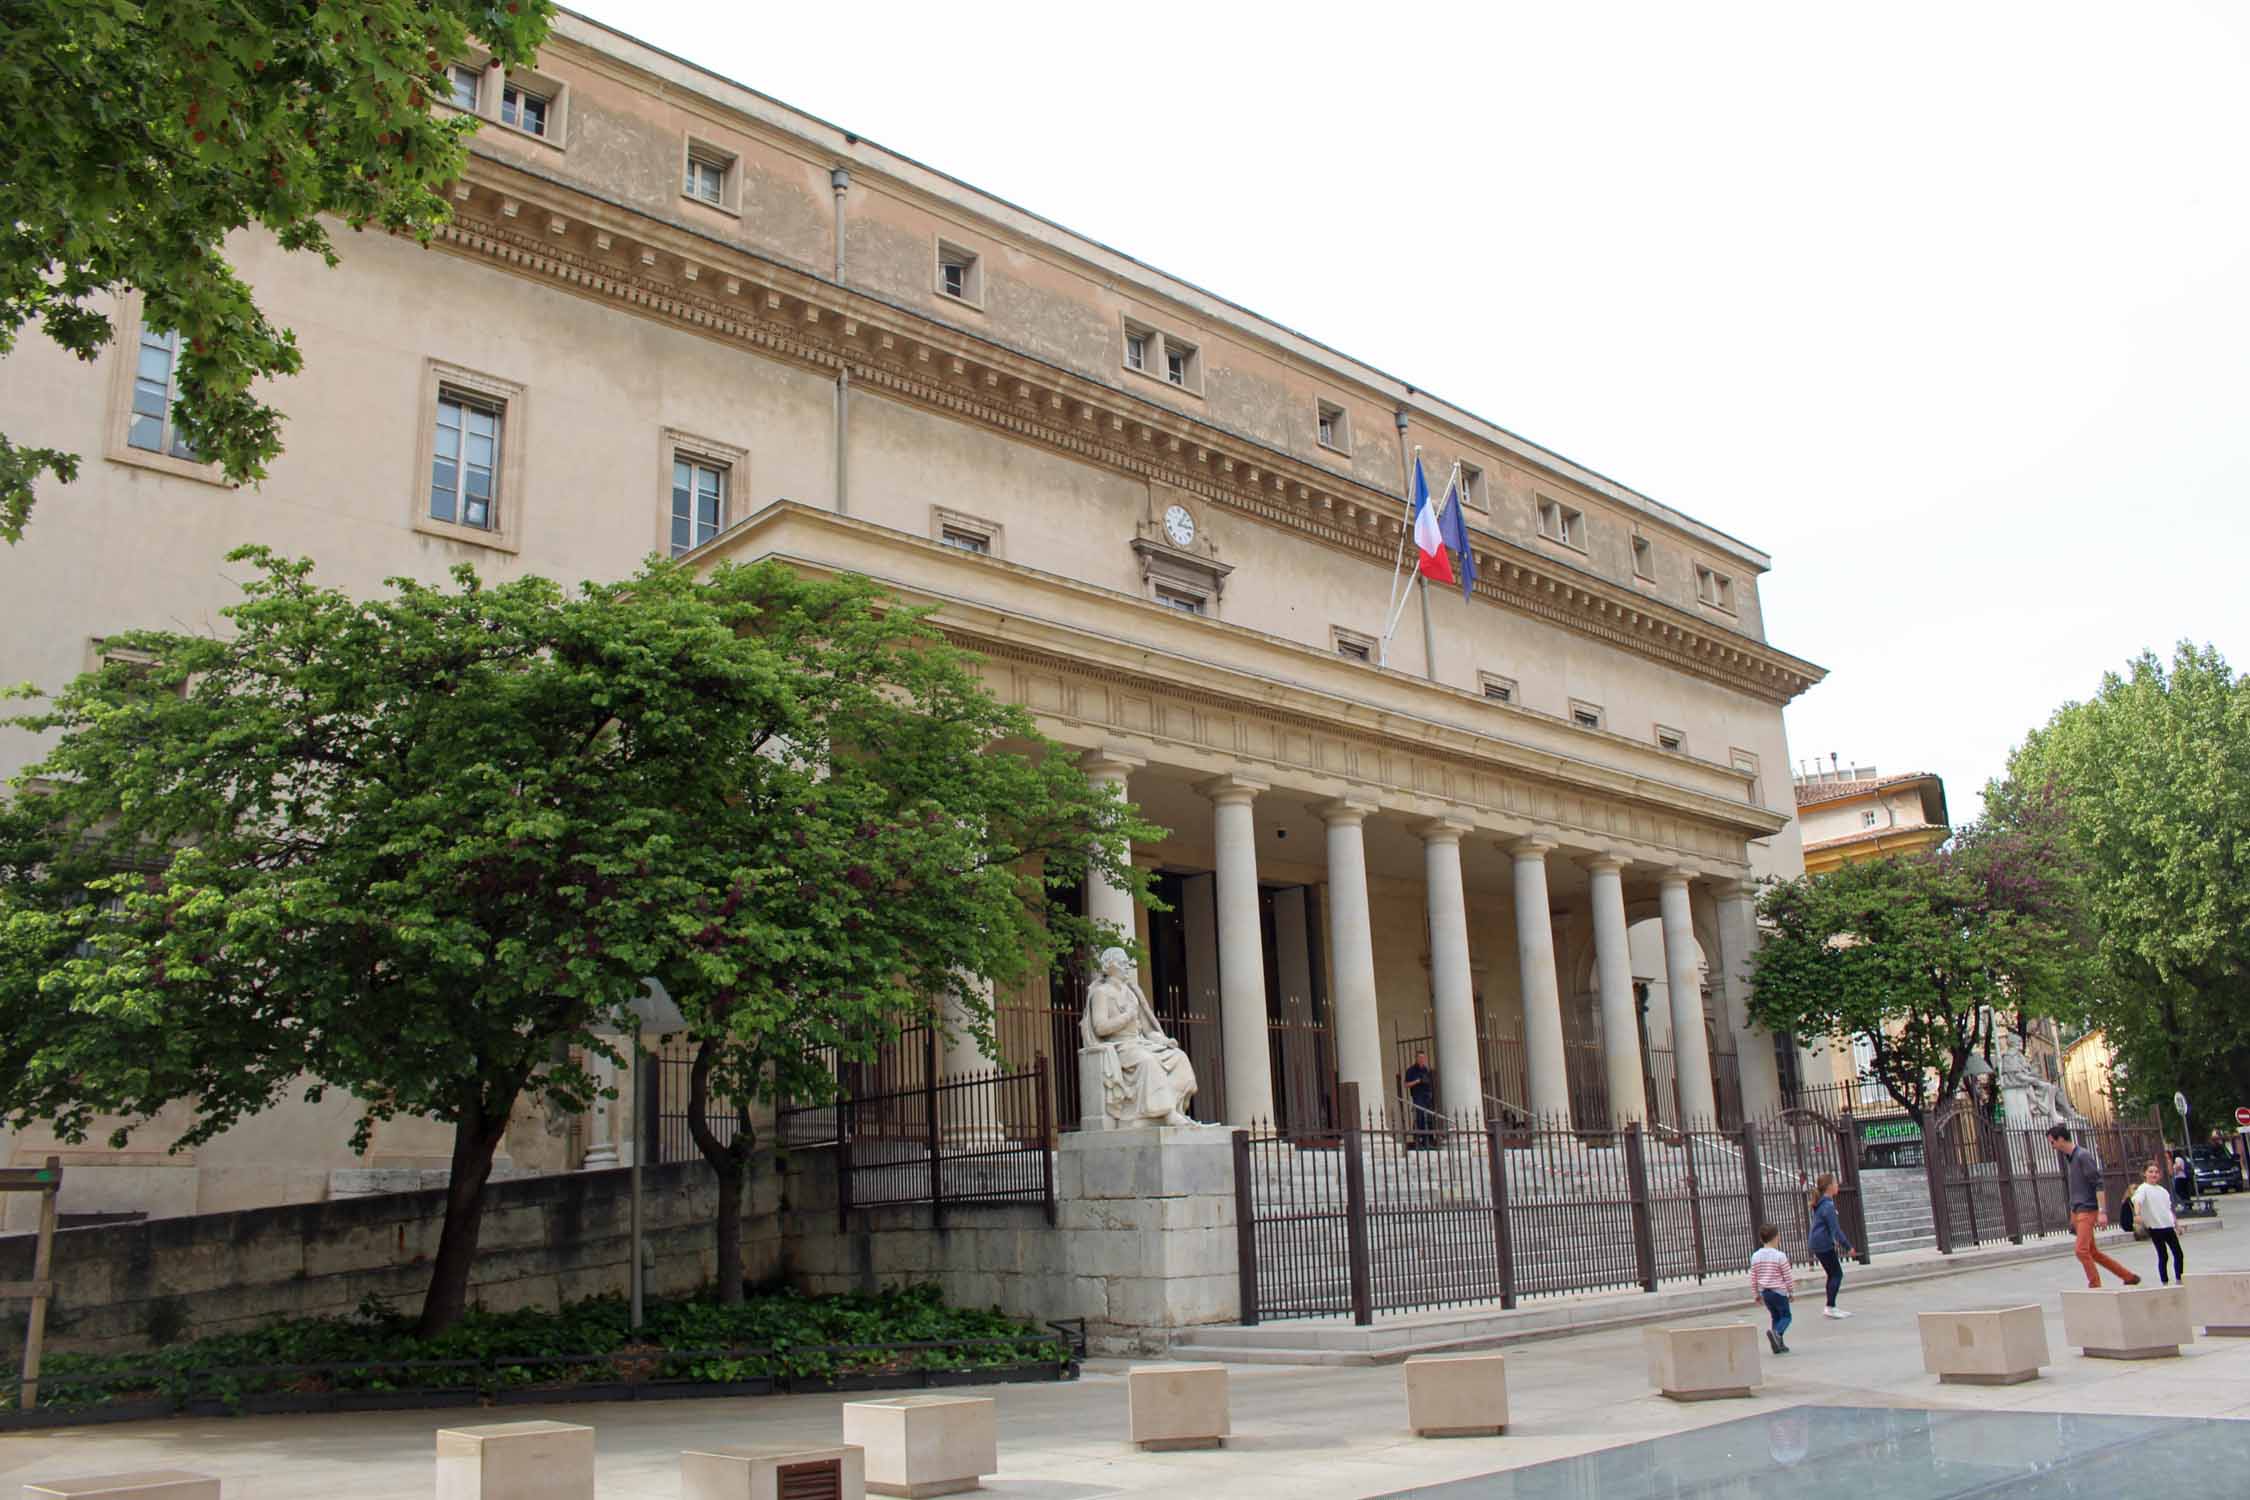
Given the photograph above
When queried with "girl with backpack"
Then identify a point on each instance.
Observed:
(1827, 1238)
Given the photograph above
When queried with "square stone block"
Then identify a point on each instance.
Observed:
(925, 1445)
(148, 1484)
(2220, 1301)
(1177, 1406)
(1456, 1395)
(1985, 1346)
(773, 1471)
(1703, 1364)
(2139, 1322)
(516, 1461)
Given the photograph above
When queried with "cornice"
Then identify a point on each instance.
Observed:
(533, 225)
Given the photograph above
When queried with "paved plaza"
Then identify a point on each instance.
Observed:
(1299, 1431)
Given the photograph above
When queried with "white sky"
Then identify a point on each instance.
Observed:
(1947, 307)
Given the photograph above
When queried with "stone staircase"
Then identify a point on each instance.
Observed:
(1897, 1200)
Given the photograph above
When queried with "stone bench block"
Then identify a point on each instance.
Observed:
(2220, 1301)
(1707, 1363)
(925, 1445)
(516, 1461)
(1177, 1406)
(149, 1484)
(1456, 1395)
(2141, 1322)
(1985, 1346)
(773, 1471)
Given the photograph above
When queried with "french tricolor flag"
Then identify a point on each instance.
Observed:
(1429, 536)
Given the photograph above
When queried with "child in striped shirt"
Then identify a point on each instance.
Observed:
(1772, 1282)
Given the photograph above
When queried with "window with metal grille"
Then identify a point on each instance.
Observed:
(821, 1479)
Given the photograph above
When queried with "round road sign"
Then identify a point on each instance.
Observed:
(2242, 1115)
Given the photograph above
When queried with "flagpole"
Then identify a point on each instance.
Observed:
(1406, 497)
(1421, 584)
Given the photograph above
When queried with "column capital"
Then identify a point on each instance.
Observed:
(1531, 846)
(1350, 809)
(1443, 830)
(1733, 890)
(1233, 787)
(1678, 875)
(1607, 862)
(1111, 759)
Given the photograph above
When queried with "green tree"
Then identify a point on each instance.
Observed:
(2153, 777)
(427, 848)
(143, 134)
(1914, 956)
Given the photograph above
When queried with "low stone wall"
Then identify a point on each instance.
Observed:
(545, 1240)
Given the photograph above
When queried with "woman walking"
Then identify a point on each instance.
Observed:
(2152, 1207)
(1827, 1238)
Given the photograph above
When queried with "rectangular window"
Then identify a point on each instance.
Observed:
(960, 275)
(1333, 428)
(699, 502)
(156, 385)
(1351, 644)
(966, 540)
(1498, 689)
(1559, 523)
(1179, 363)
(465, 461)
(1185, 603)
(1669, 739)
(1644, 558)
(464, 82)
(524, 110)
(1136, 350)
(1585, 715)
(706, 178)
(1472, 485)
(1867, 818)
(1714, 588)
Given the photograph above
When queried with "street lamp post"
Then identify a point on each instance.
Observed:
(655, 1016)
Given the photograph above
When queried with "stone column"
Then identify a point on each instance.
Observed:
(601, 1121)
(964, 1119)
(1242, 950)
(1546, 1066)
(1351, 954)
(1691, 1047)
(1106, 902)
(1753, 1045)
(1452, 994)
(1613, 978)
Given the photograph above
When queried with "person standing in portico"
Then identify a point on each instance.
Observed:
(1421, 1096)
(2082, 1190)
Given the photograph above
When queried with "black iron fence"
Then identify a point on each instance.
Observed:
(1989, 1183)
(1381, 1219)
(948, 1141)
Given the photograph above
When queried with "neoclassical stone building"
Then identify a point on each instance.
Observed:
(673, 314)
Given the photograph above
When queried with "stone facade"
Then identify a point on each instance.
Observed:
(1111, 483)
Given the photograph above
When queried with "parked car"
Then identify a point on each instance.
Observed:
(2216, 1170)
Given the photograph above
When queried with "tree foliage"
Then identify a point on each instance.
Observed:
(143, 134)
(427, 848)
(2151, 777)
(1920, 957)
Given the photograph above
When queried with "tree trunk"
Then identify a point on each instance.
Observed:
(726, 1160)
(476, 1139)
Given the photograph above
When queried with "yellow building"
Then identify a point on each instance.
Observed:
(1854, 815)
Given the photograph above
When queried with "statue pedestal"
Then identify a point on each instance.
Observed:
(1146, 1216)
(1093, 1113)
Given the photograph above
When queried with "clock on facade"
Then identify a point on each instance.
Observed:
(1179, 526)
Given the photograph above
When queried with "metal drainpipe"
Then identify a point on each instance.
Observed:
(841, 180)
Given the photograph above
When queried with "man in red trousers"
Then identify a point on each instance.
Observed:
(2082, 1188)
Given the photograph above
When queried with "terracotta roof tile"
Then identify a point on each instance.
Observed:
(1812, 792)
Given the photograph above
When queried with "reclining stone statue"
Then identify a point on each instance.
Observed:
(1144, 1078)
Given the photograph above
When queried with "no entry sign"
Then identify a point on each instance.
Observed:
(2242, 1115)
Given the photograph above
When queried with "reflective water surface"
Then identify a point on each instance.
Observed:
(1886, 1453)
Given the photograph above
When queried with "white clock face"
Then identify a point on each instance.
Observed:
(1179, 526)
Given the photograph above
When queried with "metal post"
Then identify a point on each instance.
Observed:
(846, 1109)
(2011, 1214)
(1355, 1210)
(1933, 1169)
(1644, 1230)
(644, 1108)
(1503, 1239)
(42, 1285)
(1753, 1177)
(1046, 1133)
(930, 1121)
(1245, 1228)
